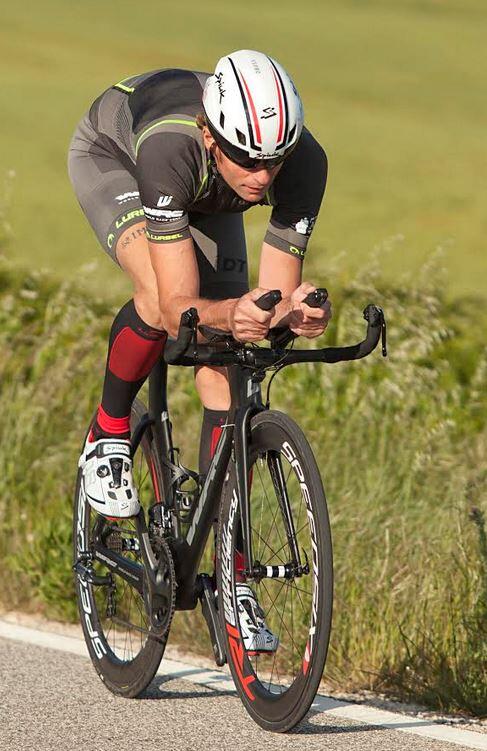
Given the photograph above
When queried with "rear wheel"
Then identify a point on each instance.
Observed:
(125, 648)
(289, 520)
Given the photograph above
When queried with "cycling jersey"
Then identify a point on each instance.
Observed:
(148, 124)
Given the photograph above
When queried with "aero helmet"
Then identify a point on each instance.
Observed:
(252, 108)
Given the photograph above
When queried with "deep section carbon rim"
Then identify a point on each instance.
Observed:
(291, 544)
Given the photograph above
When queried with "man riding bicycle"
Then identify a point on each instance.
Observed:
(164, 165)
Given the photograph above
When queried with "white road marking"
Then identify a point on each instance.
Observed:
(220, 680)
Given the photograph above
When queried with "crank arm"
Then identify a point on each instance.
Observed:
(210, 612)
(123, 567)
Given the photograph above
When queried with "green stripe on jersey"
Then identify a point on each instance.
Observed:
(120, 85)
(203, 181)
(162, 122)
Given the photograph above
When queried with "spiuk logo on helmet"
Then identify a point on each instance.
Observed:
(252, 107)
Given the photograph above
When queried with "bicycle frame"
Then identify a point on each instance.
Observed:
(246, 371)
(188, 549)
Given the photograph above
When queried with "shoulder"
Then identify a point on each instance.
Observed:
(302, 180)
(307, 161)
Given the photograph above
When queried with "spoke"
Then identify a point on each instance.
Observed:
(279, 637)
(273, 523)
(292, 628)
(297, 533)
(276, 485)
(272, 606)
(268, 506)
(271, 549)
(305, 610)
(282, 622)
(261, 508)
(289, 472)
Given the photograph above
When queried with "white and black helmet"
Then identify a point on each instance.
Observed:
(252, 108)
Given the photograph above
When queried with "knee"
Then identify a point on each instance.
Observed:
(212, 387)
(147, 305)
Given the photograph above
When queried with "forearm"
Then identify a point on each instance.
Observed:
(215, 313)
(277, 270)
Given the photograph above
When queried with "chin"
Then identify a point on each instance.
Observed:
(254, 197)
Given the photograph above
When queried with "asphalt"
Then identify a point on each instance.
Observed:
(54, 700)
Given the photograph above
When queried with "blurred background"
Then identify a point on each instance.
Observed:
(394, 90)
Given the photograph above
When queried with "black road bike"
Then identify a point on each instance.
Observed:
(265, 489)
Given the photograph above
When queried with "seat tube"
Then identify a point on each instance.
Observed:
(159, 412)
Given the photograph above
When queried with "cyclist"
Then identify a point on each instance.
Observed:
(164, 164)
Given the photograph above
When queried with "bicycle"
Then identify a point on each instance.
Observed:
(273, 532)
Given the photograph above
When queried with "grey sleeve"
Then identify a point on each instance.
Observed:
(296, 197)
(167, 170)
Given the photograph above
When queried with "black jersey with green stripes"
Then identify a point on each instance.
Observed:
(149, 124)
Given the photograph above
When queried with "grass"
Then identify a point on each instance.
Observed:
(393, 90)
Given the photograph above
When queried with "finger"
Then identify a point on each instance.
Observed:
(314, 314)
(254, 294)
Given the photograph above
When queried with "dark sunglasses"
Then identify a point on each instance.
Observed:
(244, 160)
(248, 162)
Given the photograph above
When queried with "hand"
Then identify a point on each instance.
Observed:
(249, 323)
(306, 321)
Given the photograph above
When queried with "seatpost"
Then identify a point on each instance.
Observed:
(159, 413)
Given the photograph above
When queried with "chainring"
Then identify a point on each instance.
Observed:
(160, 608)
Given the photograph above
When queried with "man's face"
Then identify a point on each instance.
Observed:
(249, 184)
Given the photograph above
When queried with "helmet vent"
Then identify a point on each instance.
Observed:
(222, 120)
(241, 137)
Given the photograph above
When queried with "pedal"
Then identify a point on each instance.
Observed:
(210, 612)
(88, 576)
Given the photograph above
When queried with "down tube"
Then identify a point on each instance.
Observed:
(188, 552)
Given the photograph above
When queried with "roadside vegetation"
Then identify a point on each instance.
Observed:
(401, 444)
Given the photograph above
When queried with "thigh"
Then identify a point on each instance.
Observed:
(107, 193)
(221, 253)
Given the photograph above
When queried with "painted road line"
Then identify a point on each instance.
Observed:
(221, 681)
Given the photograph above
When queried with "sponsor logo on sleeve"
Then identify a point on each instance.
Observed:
(163, 238)
(129, 216)
(164, 201)
(296, 251)
(162, 215)
(125, 197)
(305, 225)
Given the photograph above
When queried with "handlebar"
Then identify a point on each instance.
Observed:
(185, 350)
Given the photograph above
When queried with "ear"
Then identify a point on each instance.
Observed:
(208, 139)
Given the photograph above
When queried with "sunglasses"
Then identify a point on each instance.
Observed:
(238, 156)
(248, 162)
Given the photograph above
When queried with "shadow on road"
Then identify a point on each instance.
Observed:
(155, 691)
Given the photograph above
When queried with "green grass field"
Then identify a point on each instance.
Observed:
(395, 91)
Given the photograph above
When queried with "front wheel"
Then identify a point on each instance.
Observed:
(291, 542)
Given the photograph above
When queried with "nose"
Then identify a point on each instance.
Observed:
(262, 175)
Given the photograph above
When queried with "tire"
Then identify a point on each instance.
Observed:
(125, 659)
(278, 690)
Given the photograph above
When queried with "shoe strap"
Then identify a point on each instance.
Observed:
(110, 448)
